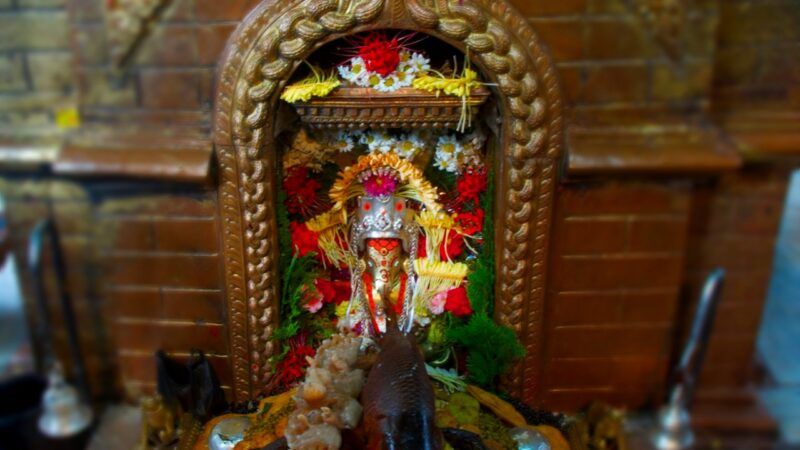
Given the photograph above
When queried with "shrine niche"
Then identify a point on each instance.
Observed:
(386, 163)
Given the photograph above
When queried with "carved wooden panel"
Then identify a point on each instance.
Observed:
(261, 56)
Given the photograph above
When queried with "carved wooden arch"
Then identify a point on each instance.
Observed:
(262, 55)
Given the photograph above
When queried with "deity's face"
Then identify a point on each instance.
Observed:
(384, 258)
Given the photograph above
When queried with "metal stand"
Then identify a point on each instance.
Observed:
(674, 426)
(64, 415)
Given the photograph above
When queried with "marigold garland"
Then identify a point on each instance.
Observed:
(315, 85)
(414, 185)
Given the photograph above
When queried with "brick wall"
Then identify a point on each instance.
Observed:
(611, 61)
(759, 53)
(162, 282)
(616, 268)
(170, 78)
(734, 225)
(143, 272)
(27, 202)
(35, 58)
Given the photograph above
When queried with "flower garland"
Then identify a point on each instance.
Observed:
(317, 84)
(384, 65)
(454, 154)
(453, 282)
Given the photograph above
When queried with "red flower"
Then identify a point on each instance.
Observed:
(471, 184)
(457, 302)
(380, 54)
(452, 246)
(304, 241)
(471, 222)
(335, 291)
(301, 191)
(294, 364)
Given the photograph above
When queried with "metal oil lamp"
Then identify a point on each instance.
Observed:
(64, 414)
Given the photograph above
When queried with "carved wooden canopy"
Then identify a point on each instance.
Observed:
(262, 55)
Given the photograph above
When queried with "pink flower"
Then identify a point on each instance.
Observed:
(438, 302)
(380, 185)
(314, 304)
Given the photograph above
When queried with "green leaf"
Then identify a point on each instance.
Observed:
(491, 348)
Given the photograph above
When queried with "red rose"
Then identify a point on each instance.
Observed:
(301, 191)
(457, 302)
(471, 222)
(380, 54)
(452, 246)
(304, 240)
(471, 184)
(332, 291)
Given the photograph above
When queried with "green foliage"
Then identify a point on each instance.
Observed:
(445, 181)
(480, 281)
(449, 379)
(480, 286)
(298, 278)
(491, 348)
(284, 236)
(487, 204)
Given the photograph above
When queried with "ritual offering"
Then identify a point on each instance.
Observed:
(387, 335)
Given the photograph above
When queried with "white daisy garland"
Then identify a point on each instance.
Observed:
(411, 65)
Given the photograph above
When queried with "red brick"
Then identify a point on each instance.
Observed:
(562, 7)
(616, 83)
(738, 318)
(211, 40)
(619, 198)
(136, 235)
(649, 372)
(138, 304)
(610, 341)
(618, 38)
(164, 89)
(617, 271)
(186, 236)
(571, 82)
(202, 272)
(649, 306)
(147, 336)
(591, 235)
(142, 366)
(578, 373)
(658, 234)
(169, 46)
(757, 216)
(165, 206)
(573, 400)
(585, 308)
(564, 37)
(205, 306)
(210, 10)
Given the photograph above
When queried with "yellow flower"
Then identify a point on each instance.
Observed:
(303, 92)
(341, 309)
(430, 219)
(315, 85)
(426, 267)
(457, 87)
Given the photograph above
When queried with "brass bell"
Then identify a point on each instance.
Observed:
(64, 415)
